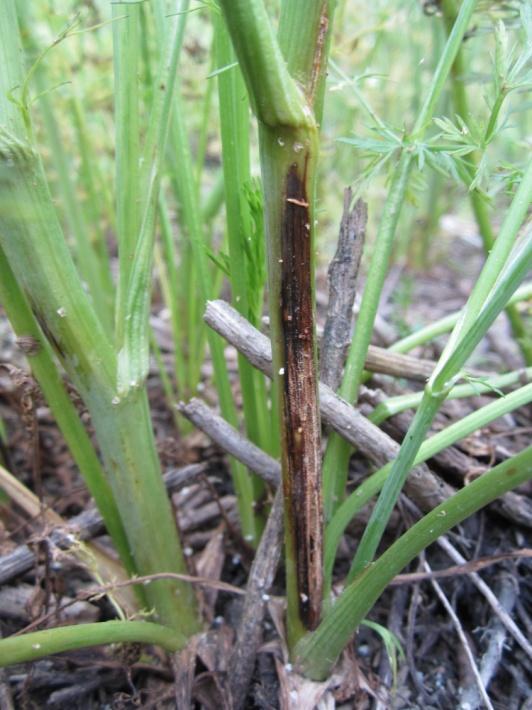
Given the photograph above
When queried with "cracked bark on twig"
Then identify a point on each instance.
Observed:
(343, 272)
(230, 440)
(83, 527)
(424, 487)
(261, 576)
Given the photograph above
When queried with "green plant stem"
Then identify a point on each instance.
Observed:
(394, 483)
(394, 405)
(40, 644)
(442, 380)
(494, 264)
(317, 653)
(44, 370)
(185, 189)
(445, 324)
(234, 124)
(192, 243)
(203, 138)
(432, 446)
(99, 200)
(338, 451)
(133, 357)
(288, 145)
(86, 257)
(479, 204)
(32, 240)
(126, 52)
(214, 199)
(168, 278)
(275, 97)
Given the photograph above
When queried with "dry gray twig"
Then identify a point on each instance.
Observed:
(230, 440)
(425, 488)
(343, 272)
(261, 576)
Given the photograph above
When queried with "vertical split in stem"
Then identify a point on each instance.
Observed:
(288, 159)
(301, 426)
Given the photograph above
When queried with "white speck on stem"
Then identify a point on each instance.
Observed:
(280, 141)
(115, 401)
(188, 552)
(281, 370)
(36, 646)
(265, 597)
(61, 312)
(298, 147)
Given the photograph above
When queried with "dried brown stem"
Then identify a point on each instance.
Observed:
(300, 430)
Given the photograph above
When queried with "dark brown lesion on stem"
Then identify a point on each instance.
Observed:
(302, 479)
